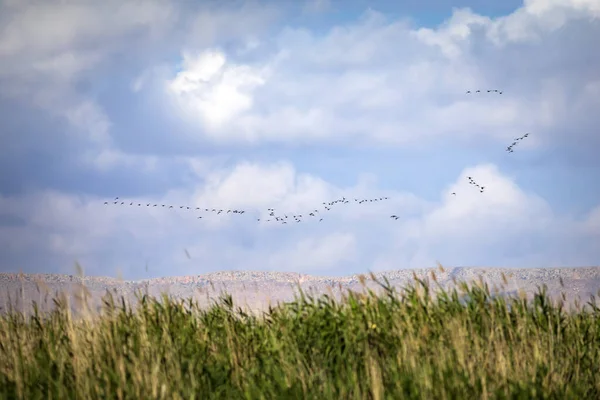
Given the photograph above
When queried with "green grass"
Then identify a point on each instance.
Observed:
(395, 345)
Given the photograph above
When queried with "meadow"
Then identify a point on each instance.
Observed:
(414, 343)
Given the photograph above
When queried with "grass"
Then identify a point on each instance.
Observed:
(394, 345)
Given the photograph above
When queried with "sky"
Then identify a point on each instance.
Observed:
(251, 105)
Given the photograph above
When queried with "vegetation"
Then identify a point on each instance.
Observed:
(408, 345)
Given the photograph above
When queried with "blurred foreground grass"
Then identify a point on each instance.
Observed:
(397, 345)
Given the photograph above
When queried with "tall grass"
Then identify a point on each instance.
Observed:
(394, 345)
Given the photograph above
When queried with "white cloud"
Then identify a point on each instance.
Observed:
(214, 91)
(499, 203)
(380, 81)
(453, 33)
(47, 48)
(371, 81)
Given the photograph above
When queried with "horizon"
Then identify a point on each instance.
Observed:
(382, 273)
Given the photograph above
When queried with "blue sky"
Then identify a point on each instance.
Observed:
(286, 105)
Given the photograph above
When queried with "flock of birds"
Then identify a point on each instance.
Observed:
(316, 214)
(472, 182)
(513, 144)
(283, 218)
(489, 91)
(509, 149)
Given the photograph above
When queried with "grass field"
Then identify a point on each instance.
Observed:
(463, 344)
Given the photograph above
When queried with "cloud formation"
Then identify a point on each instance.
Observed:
(160, 104)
